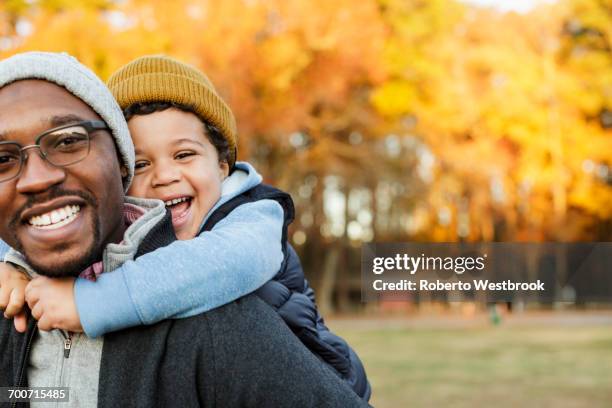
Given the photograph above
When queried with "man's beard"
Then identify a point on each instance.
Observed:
(73, 267)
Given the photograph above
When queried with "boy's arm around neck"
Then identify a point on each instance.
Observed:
(240, 254)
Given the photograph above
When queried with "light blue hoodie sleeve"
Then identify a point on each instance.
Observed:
(4, 248)
(241, 253)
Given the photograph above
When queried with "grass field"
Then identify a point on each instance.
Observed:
(541, 364)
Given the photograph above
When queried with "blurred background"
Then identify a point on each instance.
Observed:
(404, 120)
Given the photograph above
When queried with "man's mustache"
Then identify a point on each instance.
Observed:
(50, 195)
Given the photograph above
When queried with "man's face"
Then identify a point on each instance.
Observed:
(87, 197)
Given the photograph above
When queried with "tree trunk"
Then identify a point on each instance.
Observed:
(328, 280)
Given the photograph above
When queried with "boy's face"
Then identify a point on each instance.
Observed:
(176, 163)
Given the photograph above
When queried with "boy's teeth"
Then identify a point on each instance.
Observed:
(56, 218)
(175, 201)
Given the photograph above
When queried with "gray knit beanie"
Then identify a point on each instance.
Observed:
(64, 70)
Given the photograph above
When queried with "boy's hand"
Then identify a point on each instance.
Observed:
(52, 303)
(12, 295)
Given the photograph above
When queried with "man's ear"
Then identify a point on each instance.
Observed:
(124, 172)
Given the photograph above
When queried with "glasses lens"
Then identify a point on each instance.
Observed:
(65, 146)
(10, 161)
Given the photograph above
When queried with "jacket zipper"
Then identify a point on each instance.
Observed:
(67, 348)
(67, 343)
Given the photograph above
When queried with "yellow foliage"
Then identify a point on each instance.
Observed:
(503, 101)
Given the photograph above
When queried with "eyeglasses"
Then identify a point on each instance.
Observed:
(60, 146)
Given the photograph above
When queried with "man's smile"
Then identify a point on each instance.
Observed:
(60, 221)
(56, 218)
(50, 214)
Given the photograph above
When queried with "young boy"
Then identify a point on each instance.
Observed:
(233, 229)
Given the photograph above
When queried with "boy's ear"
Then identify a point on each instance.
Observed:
(223, 170)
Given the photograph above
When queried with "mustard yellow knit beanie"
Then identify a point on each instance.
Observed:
(157, 78)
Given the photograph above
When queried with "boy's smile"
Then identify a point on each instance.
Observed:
(176, 163)
(180, 206)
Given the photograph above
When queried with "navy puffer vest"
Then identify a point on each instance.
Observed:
(291, 296)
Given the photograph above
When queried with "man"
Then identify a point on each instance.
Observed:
(66, 159)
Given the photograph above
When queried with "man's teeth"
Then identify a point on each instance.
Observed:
(56, 218)
(175, 201)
